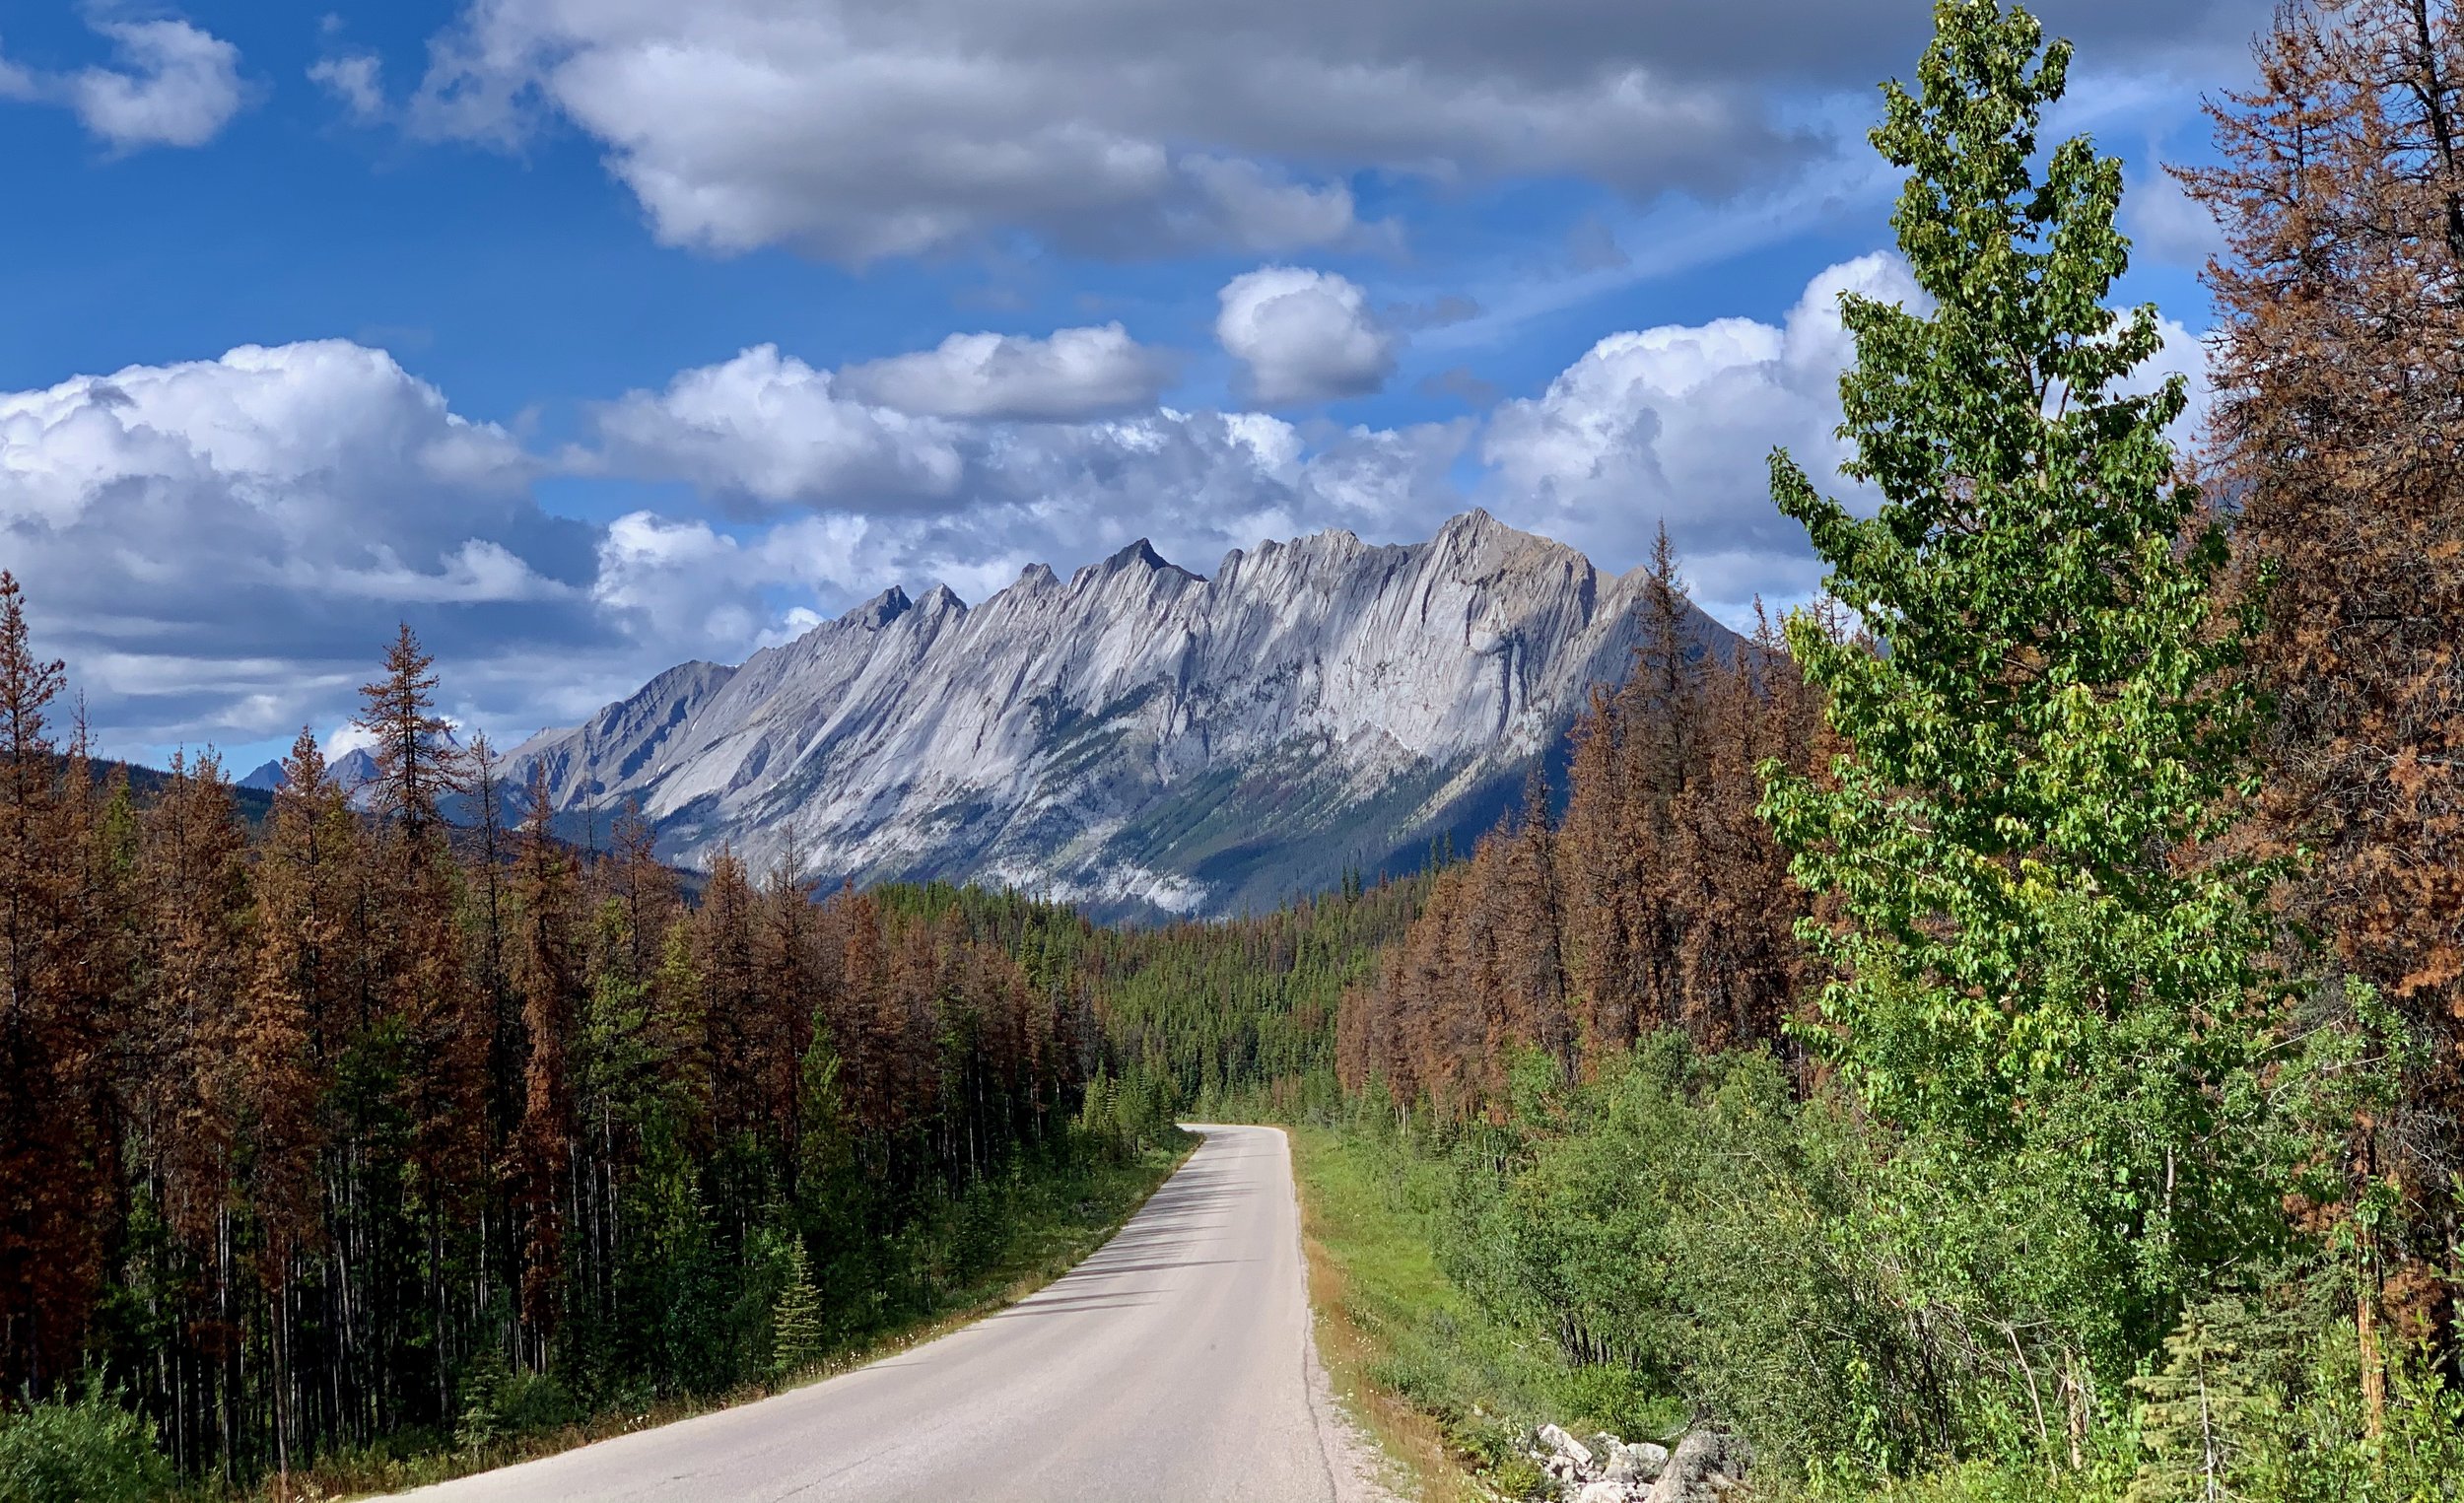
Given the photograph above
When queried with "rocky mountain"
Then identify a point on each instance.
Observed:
(352, 770)
(1137, 738)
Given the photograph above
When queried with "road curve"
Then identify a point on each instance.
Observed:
(1173, 1366)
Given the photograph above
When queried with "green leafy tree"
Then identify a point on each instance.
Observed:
(2043, 978)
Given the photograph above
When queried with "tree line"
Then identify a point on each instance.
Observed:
(1657, 899)
(352, 1124)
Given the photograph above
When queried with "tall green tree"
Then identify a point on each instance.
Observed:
(2044, 980)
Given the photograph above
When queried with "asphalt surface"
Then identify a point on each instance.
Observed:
(1173, 1366)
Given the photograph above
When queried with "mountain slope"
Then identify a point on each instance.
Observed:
(1139, 738)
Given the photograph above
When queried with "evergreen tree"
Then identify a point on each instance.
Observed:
(285, 1006)
(427, 1056)
(796, 1332)
(51, 1137)
(416, 763)
(194, 889)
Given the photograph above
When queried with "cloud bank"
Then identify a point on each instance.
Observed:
(853, 131)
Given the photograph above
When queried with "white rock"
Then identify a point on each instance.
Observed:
(1640, 1462)
(1608, 1492)
(1561, 1444)
(1707, 1466)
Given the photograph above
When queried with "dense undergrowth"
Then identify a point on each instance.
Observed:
(1448, 1385)
(1683, 1240)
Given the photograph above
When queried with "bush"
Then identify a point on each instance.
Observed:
(91, 1451)
(535, 1401)
(1681, 1227)
(501, 1405)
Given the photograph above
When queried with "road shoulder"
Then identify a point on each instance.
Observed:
(1378, 1449)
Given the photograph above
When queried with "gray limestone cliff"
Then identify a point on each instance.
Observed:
(1135, 739)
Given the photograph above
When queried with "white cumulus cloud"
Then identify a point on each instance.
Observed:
(1076, 373)
(178, 86)
(174, 85)
(219, 544)
(1303, 335)
(1672, 424)
(854, 130)
(769, 428)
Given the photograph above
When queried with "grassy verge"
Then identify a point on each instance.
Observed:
(1050, 1234)
(1421, 1365)
(1447, 1388)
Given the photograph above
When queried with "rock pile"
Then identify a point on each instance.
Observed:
(1705, 1466)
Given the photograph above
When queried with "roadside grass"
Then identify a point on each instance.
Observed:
(1053, 1226)
(1447, 1388)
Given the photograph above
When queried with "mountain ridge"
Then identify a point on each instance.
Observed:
(1141, 738)
(353, 771)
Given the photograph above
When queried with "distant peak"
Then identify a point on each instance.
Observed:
(1477, 527)
(940, 600)
(1036, 576)
(880, 610)
(1139, 556)
(1140, 552)
(1337, 540)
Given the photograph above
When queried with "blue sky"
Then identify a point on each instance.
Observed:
(592, 335)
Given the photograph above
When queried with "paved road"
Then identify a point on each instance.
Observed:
(1173, 1366)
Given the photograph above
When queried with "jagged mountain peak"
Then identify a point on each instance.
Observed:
(942, 601)
(879, 611)
(1146, 739)
(1476, 533)
(1138, 558)
(352, 771)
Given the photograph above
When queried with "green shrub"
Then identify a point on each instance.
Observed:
(533, 1401)
(1519, 1476)
(91, 1451)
